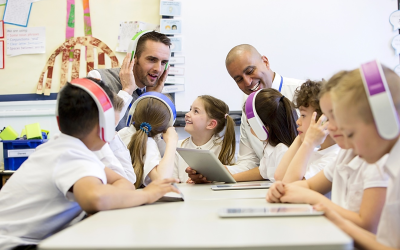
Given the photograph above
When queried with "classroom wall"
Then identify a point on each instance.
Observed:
(21, 73)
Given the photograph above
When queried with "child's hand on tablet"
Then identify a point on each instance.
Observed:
(196, 177)
(275, 192)
(317, 131)
(158, 188)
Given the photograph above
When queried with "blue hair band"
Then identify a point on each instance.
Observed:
(145, 127)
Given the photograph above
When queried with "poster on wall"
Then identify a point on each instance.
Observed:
(1, 29)
(171, 26)
(17, 12)
(127, 31)
(170, 8)
(176, 45)
(1, 54)
(26, 41)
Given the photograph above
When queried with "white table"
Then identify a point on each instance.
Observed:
(204, 192)
(195, 224)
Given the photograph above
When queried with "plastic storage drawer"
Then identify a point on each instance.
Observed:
(17, 151)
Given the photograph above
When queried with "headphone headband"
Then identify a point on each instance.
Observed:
(380, 100)
(254, 120)
(103, 103)
(170, 105)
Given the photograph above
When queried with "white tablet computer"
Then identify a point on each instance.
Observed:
(237, 186)
(273, 211)
(206, 163)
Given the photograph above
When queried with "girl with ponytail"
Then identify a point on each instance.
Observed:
(278, 115)
(149, 117)
(207, 118)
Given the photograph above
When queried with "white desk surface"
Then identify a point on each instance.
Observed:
(195, 224)
(204, 192)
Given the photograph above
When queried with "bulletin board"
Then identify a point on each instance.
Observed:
(21, 73)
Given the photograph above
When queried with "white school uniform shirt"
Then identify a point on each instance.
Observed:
(350, 176)
(250, 147)
(214, 145)
(320, 159)
(36, 202)
(153, 154)
(389, 224)
(115, 155)
(271, 159)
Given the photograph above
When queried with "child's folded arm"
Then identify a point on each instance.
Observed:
(286, 159)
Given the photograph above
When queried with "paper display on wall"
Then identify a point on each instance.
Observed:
(170, 8)
(17, 12)
(171, 26)
(176, 45)
(26, 41)
(1, 54)
(3, 2)
(128, 29)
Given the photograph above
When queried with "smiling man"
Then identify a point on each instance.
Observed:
(145, 73)
(251, 71)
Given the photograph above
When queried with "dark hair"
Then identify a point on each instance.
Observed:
(152, 36)
(279, 115)
(156, 113)
(77, 111)
(307, 95)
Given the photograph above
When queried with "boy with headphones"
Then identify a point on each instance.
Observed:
(63, 176)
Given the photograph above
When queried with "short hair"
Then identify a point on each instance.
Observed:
(152, 36)
(307, 95)
(77, 111)
(351, 92)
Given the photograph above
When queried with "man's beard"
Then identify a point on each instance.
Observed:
(143, 77)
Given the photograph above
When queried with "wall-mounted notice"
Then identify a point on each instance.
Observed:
(26, 41)
(173, 88)
(127, 31)
(396, 44)
(3, 2)
(176, 71)
(176, 45)
(394, 19)
(170, 8)
(171, 26)
(175, 80)
(177, 60)
(1, 29)
(17, 12)
(1, 54)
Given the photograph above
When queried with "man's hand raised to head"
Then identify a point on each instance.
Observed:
(126, 75)
(160, 83)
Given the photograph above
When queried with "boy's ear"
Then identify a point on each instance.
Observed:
(212, 124)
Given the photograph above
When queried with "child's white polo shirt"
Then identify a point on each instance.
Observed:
(350, 176)
(389, 224)
(320, 159)
(36, 202)
(214, 145)
(271, 159)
